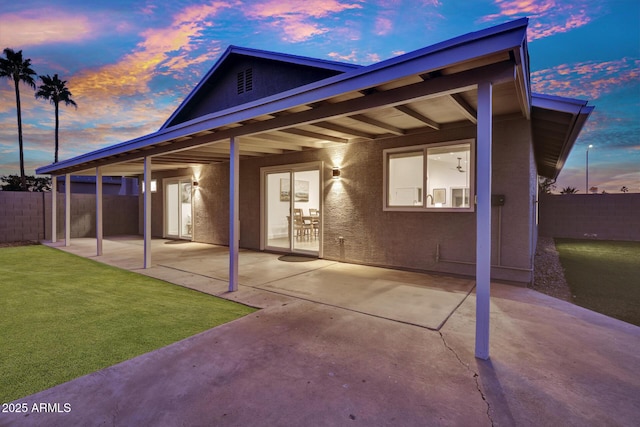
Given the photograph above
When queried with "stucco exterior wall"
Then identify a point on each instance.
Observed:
(591, 216)
(353, 208)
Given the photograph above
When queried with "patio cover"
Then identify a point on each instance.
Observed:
(477, 78)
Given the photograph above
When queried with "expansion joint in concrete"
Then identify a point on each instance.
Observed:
(475, 377)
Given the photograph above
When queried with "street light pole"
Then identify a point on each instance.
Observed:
(587, 183)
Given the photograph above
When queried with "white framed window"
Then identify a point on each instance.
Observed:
(430, 177)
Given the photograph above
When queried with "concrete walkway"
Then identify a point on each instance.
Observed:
(331, 361)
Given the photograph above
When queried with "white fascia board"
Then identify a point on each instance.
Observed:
(460, 49)
(558, 103)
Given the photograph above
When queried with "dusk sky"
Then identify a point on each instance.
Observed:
(129, 63)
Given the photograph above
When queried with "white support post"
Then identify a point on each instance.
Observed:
(98, 211)
(54, 209)
(147, 212)
(234, 219)
(67, 210)
(483, 221)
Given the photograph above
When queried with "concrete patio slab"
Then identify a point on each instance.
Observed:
(415, 298)
(296, 362)
(419, 299)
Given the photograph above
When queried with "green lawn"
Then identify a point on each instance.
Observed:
(63, 316)
(603, 275)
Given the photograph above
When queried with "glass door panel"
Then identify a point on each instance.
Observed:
(185, 209)
(278, 210)
(292, 210)
(171, 209)
(306, 208)
(178, 212)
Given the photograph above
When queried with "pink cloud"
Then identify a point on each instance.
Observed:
(161, 51)
(109, 106)
(586, 79)
(548, 17)
(373, 57)
(296, 18)
(383, 26)
(39, 27)
(351, 57)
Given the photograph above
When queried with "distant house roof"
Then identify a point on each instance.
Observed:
(430, 89)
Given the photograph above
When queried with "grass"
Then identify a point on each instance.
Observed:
(603, 275)
(63, 316)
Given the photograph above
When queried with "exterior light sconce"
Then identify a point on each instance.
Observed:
(336, 173)
(195, 184)
(154, 186)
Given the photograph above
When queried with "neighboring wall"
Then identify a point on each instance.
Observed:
(27, 216)
(593, 216)
(21, 216)
(353, 207)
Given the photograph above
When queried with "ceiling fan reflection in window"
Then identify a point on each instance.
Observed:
(459, 167)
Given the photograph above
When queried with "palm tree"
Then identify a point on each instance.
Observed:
(569, 190)
(14, 67)
(55, 91)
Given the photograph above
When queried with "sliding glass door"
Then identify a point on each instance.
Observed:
(292, 209)
(178, 210)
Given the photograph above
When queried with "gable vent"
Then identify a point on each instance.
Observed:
(248, 79)
(240, 82)
(245, 81)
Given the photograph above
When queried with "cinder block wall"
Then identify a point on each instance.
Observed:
(21, 216)
(593, 216)
(27, 216)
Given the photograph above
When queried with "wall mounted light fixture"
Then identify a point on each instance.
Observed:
(336, 173)
(154, 186)
(195, 183)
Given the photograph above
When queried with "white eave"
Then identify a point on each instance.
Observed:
(556, 124)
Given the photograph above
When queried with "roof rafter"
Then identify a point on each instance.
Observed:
(315, 135)
(416, 115)
(343, 129)
(466, 109)
(377, 123)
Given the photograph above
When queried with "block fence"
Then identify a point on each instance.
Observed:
(590, 216)
(27, 216)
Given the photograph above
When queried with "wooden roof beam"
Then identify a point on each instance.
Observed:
(343, 129)
(314, 135)
(413, 113)
(466, 109)
(377, 123)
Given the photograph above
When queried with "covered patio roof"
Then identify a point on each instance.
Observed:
(431, 89)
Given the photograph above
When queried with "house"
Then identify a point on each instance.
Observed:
(426, 161)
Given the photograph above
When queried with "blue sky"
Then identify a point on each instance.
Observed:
(129, 63)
